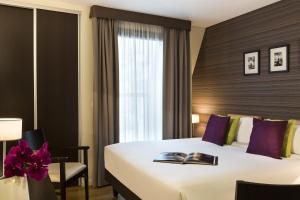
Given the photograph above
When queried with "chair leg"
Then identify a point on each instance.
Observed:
(86, 185)
(63, 183)
(115, 192)
(63, 192)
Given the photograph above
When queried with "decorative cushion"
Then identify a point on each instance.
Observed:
(216, 130)
(239, 115)
(244, 130)
(288, 137)
(72, 169)
(296, 141)
(267, 138)
(234, 124)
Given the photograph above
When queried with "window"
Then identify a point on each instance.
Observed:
(140, 77)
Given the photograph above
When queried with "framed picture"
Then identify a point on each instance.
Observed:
(279, 59)
(251, 63)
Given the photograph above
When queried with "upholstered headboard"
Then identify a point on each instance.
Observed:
(200, 128)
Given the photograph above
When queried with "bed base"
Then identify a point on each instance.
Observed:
(120, 188)
(248, 191)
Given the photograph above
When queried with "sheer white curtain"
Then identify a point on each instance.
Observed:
(140, 49)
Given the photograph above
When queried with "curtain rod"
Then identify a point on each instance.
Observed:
(111, 13)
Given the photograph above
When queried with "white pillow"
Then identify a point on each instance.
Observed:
(244, 130)
(296, 141)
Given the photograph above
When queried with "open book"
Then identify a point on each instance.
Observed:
(182, 158)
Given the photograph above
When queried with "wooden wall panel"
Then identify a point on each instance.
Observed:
(57, 78)
(219, 84)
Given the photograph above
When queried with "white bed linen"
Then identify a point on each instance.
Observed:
(132, 164)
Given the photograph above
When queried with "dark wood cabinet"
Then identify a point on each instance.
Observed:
(57, 78)
(56, 69)
(16, 64)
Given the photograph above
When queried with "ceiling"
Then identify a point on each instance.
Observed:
(202, 13)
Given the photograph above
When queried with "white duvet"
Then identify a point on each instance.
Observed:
(132, 164)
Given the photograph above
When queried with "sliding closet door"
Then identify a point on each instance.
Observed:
(16, 64)
(57, 77)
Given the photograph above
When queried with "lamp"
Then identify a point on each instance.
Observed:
(195, 120)
(10, 129)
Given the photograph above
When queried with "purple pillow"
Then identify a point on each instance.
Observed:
(216, 130)
(267, 138)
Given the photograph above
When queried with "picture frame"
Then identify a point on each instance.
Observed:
(252, 63)
(279, 59)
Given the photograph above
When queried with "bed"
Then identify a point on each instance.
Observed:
(129, 166)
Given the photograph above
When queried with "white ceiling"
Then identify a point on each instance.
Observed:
(202, 13)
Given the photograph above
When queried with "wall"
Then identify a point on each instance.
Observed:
(196, 37)
(219, 85)
(86, 65)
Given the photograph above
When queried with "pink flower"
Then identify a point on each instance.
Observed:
(13, 166)
(22, 160)
(22, 151)
(43, 154)
(37, 170)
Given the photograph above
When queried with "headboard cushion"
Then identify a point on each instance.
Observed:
(238, 115)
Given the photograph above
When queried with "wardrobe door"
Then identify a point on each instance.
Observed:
(16, 64)
(57, 78)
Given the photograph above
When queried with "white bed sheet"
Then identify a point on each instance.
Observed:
(132, 164)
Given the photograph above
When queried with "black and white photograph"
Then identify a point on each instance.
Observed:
(251, 63)
(279, 59)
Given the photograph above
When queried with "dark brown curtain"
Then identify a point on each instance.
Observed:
(106, 91)
(176, 85)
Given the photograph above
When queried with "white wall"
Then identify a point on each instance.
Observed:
(196, 37)
(87, 62)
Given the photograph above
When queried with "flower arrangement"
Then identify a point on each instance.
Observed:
(22, 160)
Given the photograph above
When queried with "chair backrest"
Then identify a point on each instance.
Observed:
(35, 138)
(257, 191)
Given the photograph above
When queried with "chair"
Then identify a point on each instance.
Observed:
(61, 172)
(259, 191)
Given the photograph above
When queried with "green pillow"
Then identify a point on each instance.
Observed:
(288, 137)
(234, 125)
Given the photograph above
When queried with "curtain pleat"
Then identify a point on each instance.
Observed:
(176, 84)
(106, 91)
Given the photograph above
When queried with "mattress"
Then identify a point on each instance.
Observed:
(131, 164)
